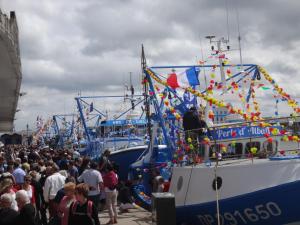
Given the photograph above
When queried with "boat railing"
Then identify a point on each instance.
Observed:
(198, 144)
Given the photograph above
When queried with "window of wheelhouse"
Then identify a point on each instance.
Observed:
(214, 148)
(250, 145)
(270, 147)
(235, 149)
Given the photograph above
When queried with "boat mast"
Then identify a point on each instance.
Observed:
(146, 93)
(220, 51)
(131, 91)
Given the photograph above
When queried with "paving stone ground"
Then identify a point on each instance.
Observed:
(137, 216)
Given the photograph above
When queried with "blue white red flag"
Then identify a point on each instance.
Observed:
(186, 79)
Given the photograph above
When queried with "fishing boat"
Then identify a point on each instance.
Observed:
(248, 172)
(123, 133)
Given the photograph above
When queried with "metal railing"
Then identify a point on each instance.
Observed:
(195, 146)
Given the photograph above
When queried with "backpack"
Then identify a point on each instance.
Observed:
(110, 180)
(88, 211)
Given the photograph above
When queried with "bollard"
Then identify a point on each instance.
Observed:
(163, 209)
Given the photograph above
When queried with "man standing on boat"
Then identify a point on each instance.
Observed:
(195, 129)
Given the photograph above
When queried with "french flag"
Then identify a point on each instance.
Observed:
(186, 79)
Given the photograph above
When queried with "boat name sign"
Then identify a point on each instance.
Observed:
(242, 132)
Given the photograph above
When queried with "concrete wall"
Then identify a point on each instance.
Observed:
(10, 70)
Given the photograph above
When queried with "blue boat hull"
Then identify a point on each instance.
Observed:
(124, 159)
(272, 206)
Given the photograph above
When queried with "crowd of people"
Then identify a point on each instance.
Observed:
(53, 187)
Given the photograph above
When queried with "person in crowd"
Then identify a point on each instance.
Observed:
(75, 154)
(8, 215)
(44, 205)
(2, 165)
(104, 162)
(61, 193)
(63, 162)
(27, 213)
(83, 211)
(93, 178)
(18, 174)
(110, 186)
(38, 191)
(6, 187)
(84, 165)
(167, 185)
(29, 188)
(161, 186)
(125, 197)
(42, 165)
(8, 173)
(78, 164)
(155, 174)
(52, 185)
(67, 200)
(72, 169)
(33, 155)
(26, 166)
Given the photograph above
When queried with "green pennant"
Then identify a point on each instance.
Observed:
(265, 88)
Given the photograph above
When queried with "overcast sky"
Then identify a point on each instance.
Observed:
(90, 46)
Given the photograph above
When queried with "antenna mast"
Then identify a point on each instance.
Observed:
(219, 51)
(227, 19)
(239, 36)
(146, 94)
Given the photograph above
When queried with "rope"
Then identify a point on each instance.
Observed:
(217, 193)
(188, 185)
(291, 102)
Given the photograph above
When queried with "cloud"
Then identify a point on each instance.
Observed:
(69, 46)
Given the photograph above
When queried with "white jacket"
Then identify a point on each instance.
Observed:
(53, 184)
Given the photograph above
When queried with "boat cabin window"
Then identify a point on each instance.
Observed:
(121, 130)
(250, 145)
(214, 148)
(270, 147)
(235, 149)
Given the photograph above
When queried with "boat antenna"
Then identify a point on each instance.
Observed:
(202, 58)
(219, 50)
(146, 94)
(240, 49)
(227, 19)
(239, 34)
(132, 91)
